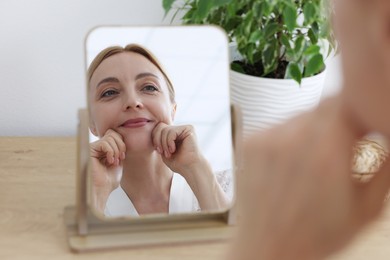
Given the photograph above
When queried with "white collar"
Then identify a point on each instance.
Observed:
(181, 200)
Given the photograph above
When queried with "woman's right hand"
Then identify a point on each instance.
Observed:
(297, 199)
(362, 29)
(107, 153)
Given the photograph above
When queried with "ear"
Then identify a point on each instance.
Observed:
(173, 113)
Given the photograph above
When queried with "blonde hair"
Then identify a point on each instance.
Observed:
(110, 51)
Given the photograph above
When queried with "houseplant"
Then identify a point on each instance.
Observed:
(282, 43)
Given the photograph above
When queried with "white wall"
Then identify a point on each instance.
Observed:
(42, 62)
(42, 58)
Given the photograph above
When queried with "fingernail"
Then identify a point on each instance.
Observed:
(123, 155)
(158, 150)
(171, 149)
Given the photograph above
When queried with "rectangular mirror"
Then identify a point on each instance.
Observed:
(160, 120)
(156, 139)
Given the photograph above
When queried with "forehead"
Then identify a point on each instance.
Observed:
(124, 65)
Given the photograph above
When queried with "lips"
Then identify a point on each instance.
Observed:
(135, 123)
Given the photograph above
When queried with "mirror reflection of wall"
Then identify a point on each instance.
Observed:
(196, 62)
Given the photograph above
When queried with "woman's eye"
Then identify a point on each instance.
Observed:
(109, 93)
(150, 88)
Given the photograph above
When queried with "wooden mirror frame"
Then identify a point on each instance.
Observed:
(89, 232)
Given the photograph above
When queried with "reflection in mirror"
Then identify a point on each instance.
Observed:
(160, 120)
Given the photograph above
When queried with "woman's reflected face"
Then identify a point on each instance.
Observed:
(128, 94)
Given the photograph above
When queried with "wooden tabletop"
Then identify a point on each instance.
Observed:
(37, 180)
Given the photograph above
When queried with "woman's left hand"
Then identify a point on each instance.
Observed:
(177, 146)
(179, 151)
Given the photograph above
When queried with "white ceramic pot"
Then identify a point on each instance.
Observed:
(265, 102)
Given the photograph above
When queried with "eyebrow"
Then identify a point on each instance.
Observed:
(115, 80)
(105, 80)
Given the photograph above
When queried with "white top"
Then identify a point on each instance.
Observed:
(181, 200)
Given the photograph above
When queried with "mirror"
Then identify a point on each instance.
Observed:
(159, 120)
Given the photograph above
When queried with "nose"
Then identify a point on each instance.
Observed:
(132, 101)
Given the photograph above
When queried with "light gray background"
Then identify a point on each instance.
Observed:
(42, 59)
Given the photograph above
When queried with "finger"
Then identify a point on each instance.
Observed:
(109, 136)
(108, 154)
(178, 134)
(111, 141)
(171, 138)
(164, 140)
(156, 137)
(119, 143)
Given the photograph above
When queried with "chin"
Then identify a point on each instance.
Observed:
(138, 143)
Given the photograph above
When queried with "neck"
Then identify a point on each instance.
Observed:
(145, 176)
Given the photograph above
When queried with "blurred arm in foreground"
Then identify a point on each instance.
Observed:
(297, 199)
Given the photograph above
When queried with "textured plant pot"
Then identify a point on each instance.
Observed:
(265, 102)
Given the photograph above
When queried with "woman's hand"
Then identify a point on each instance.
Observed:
(177, 146)
(362, 29)
(179, 151)
(297, 197)
(106, 156)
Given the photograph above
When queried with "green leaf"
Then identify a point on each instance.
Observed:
(290, 17)
(255, 36)
(248, 22)
(325, 30)
(315, 65)
(299, 46)
(221, 2)
(293, 72)
(285, 41)
(301, 66)
(312, 50)
(312, 36)
(204, 7)
(232, 9)
(289, 56)
(215, 16)
(315, 28)
(257, 56)
(258, 9)
(270, 29)
(189, 17)
(267, 8)
(250, 52)
(309, 12)
(167, 5)
(269, 56)
(237, 67)
(231, 24)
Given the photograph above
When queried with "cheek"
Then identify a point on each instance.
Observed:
(165, 114)
(161, 108)
(102, 118)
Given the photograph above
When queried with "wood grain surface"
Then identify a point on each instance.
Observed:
(37, 180)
